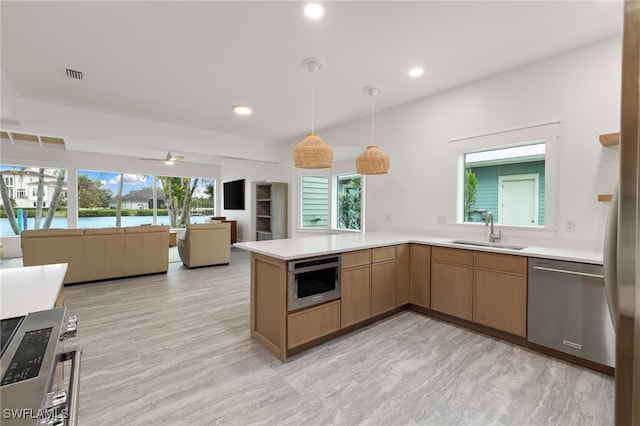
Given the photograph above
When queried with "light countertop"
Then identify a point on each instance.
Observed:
(298, 248)
(30, 289)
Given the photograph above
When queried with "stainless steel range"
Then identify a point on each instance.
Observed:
(35, 386)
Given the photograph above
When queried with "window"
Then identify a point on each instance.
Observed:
(508, 182)
(315, 201)
(26, 215)
(179, 200)
(511, 174)
(331, 202)
(349, 202)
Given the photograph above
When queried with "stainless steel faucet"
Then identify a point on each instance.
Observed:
(492, 236)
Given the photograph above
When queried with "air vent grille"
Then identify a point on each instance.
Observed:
(76, 75)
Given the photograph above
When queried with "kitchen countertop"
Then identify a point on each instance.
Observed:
(30, 289)
(298, 248)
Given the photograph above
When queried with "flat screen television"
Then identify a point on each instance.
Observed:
(234, 195)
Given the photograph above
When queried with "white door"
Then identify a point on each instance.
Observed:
(518, 199)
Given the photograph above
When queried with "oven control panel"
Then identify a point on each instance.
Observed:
(27, 360)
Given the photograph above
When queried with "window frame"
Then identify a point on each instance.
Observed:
(332, 176)
(334, 194)
(547, 133)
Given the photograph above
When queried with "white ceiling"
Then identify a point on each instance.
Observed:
(187, 63)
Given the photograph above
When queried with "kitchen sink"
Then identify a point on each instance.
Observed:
(488, 244)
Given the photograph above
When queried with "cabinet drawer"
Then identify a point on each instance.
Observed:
(449, 255)
(382, 254)
(501, 262)
(356, 258)
(310, 324)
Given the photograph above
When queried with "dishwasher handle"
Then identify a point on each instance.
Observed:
(565, 271)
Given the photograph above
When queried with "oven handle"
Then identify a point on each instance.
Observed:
(75, 355)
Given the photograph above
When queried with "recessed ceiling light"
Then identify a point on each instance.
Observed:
(242, 110)
(313, 11)
(416, 72)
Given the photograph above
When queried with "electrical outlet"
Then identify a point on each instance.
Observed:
(442, 220)
(387, 218)
(570, 226)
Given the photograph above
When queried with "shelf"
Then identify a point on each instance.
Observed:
(265, 216)
(605, 197)
(263, 199)
(610, 139)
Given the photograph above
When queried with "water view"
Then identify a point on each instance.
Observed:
(96, 222)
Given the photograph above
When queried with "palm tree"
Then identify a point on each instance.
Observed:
(40, 199)
(53, 204)
(119, 202)
(6, 202)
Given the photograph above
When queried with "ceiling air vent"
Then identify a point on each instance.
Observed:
(76, 75)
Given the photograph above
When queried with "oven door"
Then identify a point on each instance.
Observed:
(313, 281)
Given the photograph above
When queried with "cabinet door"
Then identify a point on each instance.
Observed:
(383, 287)
(402, 274)
(500, 301)
(420, 275)
(355, 303)
(452, 289)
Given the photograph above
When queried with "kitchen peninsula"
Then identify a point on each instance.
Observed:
(482, 287)
(31, 289)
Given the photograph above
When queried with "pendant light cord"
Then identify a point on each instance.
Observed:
(372, 103)
(313, 100)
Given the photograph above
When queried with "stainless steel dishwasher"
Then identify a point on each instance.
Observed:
(568, 311)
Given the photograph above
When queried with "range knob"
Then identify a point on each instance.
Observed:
(54, 409)
(69, 327)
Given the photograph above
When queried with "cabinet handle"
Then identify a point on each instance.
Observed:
(564, 271)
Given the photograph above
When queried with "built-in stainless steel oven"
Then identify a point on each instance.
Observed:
(313, 281)
(35, 387)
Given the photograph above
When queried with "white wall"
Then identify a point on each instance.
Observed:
(580, 88)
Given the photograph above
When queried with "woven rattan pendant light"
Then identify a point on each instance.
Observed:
(372, 161)
(312, 152)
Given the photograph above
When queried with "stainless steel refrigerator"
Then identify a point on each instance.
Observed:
(622, 243)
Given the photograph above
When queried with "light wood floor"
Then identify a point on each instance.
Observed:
(175, 349)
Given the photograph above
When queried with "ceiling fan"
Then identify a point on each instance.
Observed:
(169, 159)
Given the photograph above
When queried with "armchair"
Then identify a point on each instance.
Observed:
(205, 244)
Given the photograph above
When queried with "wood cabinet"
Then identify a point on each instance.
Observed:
(269, 303)
(403, 274)
(420, 275)
(500, 297)
(270, 210)
(383, 279)
(452, 282)
(356, 295)
(368, 284)
(356, 287)
(483, 287)
(310, 324)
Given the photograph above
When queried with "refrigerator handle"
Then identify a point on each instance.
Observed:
(611, 259)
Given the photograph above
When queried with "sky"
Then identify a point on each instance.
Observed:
(111, 180)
